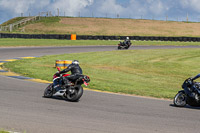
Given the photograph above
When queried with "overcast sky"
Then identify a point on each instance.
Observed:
(137, 9)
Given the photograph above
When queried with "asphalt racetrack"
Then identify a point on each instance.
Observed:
(23, 108)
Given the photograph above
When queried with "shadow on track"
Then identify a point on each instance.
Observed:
(187, 106)
(63, 99)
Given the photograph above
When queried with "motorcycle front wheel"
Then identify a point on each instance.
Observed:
(75, 95)
(48, 92)
(180, 99)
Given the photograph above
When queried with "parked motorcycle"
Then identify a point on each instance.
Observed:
(122, 45)
(183, 97)
(71, 93)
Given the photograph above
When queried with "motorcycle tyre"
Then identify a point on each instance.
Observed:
(178, 95)
(48, 92)
(76, 95)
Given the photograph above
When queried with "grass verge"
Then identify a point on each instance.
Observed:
(8, 42)
(156, 73)
(52, 42)
(2, 131)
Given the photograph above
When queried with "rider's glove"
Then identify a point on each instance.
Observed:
(191, 78)
(57, 74)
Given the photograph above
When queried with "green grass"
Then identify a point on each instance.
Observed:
(156, 73)
(12, 21)
(48, 20)
(9, 42)
(51, 42)
(2, 131)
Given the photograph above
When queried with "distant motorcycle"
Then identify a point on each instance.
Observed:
(182, 97)
(122, 45)
(72, 92)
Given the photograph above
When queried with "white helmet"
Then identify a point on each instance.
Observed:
(127, 38)
(75, 62)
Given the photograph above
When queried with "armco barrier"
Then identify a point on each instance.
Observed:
(105, 37)
(90, 37)
(99, 37)
(81, 37)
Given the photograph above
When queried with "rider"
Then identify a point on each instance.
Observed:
(196, 77)
(195, 94)
(127, 41)
(75, 72)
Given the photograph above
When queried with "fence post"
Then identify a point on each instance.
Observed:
(10, 27)
(58, 11)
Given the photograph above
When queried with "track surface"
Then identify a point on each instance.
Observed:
(22, 107)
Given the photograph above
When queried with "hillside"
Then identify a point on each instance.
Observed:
(107, 26)
(12, 21)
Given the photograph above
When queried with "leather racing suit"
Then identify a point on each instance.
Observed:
(75, 72)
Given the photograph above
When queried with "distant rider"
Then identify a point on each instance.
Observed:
(75, 72)
(127, 41)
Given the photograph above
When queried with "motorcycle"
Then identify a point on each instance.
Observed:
(72, 93)
(122, 45)
(184, 97)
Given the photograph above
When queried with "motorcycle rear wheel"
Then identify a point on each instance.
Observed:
(180, 99)
(48, 92)
(76, 95)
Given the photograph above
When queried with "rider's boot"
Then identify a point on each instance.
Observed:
(57, 88)
(195, 96)
(192, 95)
(67, 83)
(68, 86)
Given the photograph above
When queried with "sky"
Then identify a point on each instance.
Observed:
(175, 10)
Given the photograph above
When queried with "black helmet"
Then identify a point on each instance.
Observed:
(76, 62)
